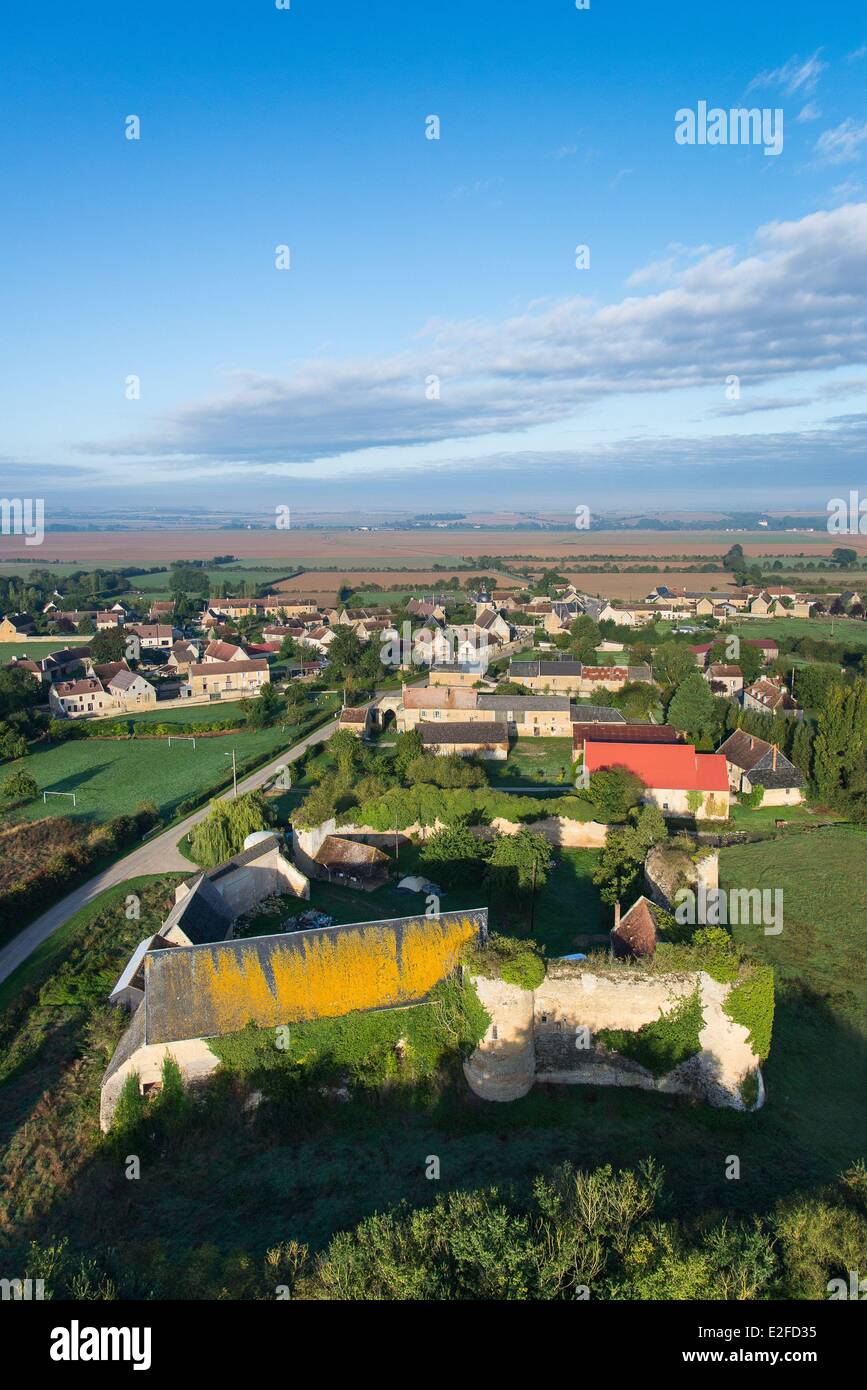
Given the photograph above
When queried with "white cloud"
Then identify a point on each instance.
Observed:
(810, 112)
(796, 75)
(796, 303)
(842, 143)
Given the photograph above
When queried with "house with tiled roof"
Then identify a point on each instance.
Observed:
(233, 678)
(479, 739)
(771, 697)
(753, 762)
(582, 732)
(676, 778)
(724, 679)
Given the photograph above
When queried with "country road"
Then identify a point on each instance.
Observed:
(157, 856)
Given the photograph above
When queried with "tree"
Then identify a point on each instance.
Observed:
(263, 708)
(223, 831)
(672, 663)
(19, 786)
(844, 557)
(188, 579)
(109, 645)
(734, 558)
(454, 855)
(584, 638)
(86, 627)
(345, 749)
(344, 654)
(518, 863)
(692, 707)
(613, 792)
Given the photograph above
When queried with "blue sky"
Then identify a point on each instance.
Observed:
(413, 258)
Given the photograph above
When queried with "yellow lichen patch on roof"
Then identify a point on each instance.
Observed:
(208, 991)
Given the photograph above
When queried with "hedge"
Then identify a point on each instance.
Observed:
(425, 804)
(60, 870)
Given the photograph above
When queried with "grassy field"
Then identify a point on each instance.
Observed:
(204, 715)
(111, 776)
(38, 648)
(849, 630)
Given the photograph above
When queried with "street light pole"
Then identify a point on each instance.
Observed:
(234, 772)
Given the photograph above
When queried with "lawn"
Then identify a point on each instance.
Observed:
(532, 761)
(38, 648)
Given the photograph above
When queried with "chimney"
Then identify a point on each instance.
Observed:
(774, 758)
(617, 914)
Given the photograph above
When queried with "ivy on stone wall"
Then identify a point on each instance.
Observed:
(661, 1045)
(751, 1003)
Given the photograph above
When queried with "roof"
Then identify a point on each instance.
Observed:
(88, 686)
(354, 714)
(623, 733)
(596, 714)
(218, 987)
(125, 680)
(222, 668)
(756, 755)
(336, 852)
(439, 697)
(523, 669)
(223, 651)
(201, 914)
(545, 704)
(68, 655)
(723, 672)
(157, 630)
(469, 732)
(674, 766)
(635, 935)
(771, 696)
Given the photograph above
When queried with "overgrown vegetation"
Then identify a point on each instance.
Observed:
(663, 1044)
(517, 962)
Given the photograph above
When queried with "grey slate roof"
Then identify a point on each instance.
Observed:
(519, 670)
(755, 756)
(524, 703)
(201, 914)
(184, 998)
(465, 732)
(596, 714)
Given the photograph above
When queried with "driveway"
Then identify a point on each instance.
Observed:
(158, 856)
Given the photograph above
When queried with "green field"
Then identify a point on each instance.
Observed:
(37, 649)
(204, 715)
(847, 630)
(111, 776)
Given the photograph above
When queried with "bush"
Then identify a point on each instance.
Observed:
(506, 958)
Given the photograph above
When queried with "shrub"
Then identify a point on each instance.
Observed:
(506, 958)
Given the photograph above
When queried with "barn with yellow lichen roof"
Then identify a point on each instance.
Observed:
(206, 991)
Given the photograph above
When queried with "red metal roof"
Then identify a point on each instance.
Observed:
(675, 766)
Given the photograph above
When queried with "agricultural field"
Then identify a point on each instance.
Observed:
(83, 549)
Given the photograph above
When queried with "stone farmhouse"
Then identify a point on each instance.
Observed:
(752, 762)
(674, 775)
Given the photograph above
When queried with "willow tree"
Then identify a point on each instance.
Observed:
(223, 831)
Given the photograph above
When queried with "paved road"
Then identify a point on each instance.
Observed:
(158, 856)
